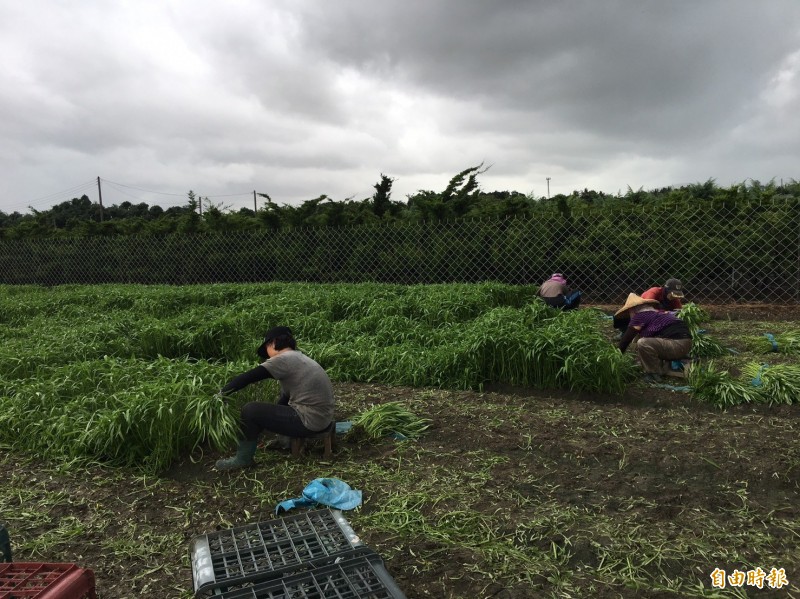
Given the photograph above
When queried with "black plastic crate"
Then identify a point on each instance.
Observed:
(362, 577)
(255, 552)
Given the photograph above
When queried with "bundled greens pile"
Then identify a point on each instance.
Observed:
(703, 346)
(778, 384)
(787, 342)
(719, 388)
(759, 383)
(391, 418)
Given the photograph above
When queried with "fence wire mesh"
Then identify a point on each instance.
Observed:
(740, 253)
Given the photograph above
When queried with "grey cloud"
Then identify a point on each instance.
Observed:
(621, 68)
(307, 97)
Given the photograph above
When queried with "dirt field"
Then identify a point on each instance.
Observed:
(511, 494)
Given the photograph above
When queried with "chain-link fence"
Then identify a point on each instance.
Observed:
(723, 254)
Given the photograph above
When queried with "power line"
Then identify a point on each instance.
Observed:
(121, 191)
(230, 195)
(118, 188)
(163, 193)
(70, 190)
(48, 199)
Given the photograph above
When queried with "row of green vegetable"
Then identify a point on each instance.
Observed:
(127, 374)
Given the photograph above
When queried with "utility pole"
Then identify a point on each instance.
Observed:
(200, 204)
(255, 205)
(100, 197)
(548, 188)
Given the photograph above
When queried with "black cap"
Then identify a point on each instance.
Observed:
(675, 287)
(276, 332)
(271, 335)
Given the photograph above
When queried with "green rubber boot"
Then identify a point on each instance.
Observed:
(243, 458)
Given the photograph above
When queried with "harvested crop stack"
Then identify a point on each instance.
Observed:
(719, 388)
(759, 383)
(703, 346)
(392, 418)
(787, 342)
(778, 384)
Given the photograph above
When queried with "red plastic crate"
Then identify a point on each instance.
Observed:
(26, 580)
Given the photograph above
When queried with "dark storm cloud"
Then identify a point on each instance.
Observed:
(303, 97)
(622, 69)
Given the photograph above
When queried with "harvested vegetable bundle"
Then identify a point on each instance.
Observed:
(789, 342)
(719, 388)
(693, 315)
(703, 346)
(778, 384)
(391, 418)
(784, 343)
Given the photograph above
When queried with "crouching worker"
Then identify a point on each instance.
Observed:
(556, 294)
(306, 402)
(668, 298)
(663, 337)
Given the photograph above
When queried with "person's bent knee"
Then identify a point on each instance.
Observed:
(250, 418)
(648, 345)
(250, 410)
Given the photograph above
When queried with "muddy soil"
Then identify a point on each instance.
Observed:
(652, 451)
(652, 456)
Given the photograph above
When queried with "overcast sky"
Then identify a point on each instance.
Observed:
(299, 98)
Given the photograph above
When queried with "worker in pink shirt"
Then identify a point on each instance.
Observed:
(556, 294)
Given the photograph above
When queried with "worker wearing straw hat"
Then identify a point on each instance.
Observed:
(663, 337)
(668, 297)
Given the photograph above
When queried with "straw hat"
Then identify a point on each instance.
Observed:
(634, 301)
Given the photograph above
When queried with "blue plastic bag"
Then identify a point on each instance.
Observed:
(332, 492)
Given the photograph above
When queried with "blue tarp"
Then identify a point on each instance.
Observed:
(332, 492)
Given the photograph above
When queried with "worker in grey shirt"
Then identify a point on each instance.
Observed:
(306, 402)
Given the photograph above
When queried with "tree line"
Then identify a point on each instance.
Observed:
(462, 199)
